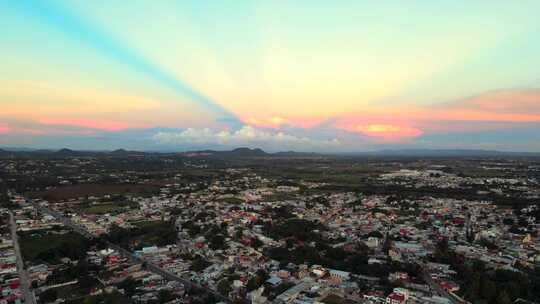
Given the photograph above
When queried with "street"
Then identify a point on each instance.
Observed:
(438, 289)
(25, 282)
(150, 266)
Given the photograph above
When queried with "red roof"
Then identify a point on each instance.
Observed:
(397, 297)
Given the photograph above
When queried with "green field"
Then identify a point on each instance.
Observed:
(103, 208)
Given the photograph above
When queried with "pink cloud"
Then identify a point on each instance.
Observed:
(54, 131)
(4, 129)
(103, 125)
(502, 102)
(488, 111)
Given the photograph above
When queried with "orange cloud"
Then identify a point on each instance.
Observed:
(269, 122)
(381, 131)
(278, 121)
(393, 132)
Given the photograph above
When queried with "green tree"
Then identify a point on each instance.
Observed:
(224, 287)
(49, 295)
(128, 285)
(503, 298)
(164, 296)
(217, 242)
(488, 289)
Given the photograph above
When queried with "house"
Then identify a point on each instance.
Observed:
(449, 286)
(339, 275)
(274, 281)
(396, 298)
(398, 276)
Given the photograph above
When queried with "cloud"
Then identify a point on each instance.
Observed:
(503, 101)
(378, 127)
(504, 106)
(269, 122)
(4, 128)
(246, 136)
(389, 132)
(494, 110)
(103, 125)
(62, 127)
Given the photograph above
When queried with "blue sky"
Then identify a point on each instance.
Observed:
(302, 75)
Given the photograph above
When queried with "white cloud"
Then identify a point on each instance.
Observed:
(246, 136)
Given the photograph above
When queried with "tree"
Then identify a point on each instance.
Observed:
(255, 282)
(128, 285)
(224, 287)
(49, 295)
(199, 264)
(217, 242)
(503, 298)
(488, 289)
(256, 243)
(164, 296)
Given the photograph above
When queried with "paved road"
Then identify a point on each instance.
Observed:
(23, 275)
(150, 266)
(439, 290)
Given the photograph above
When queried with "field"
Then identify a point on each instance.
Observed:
(147, 233)
(153, 233)
(103, 208)
(84, 190)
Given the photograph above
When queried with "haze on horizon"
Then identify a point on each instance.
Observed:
(279, 75)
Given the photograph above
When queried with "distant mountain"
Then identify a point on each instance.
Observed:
(119, 151)
(246, 152)
(447, 153)
(256, 152)
(296, 154)
(67, 152)
(238, 152)
(17, 149)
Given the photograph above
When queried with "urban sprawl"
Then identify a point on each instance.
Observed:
(248, 227)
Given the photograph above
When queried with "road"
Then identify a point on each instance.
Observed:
(126, 253)
(438, 289)
(23, 275)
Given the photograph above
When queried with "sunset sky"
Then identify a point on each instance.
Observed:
(280, 75)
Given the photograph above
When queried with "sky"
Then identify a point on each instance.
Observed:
(322, 76)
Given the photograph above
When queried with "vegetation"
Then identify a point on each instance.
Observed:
(110, 298)
(336, 258)
(481, 285)
(49, 247)
(98, 190)
(149, 233)
(299, 229)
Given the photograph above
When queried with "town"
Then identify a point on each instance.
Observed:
(248, 227)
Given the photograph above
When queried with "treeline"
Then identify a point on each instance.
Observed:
(482, 285)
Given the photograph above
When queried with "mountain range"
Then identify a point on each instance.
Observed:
(256, 152)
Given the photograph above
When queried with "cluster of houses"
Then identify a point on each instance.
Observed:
(113, 268)
(10, 281)
(238, 208)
